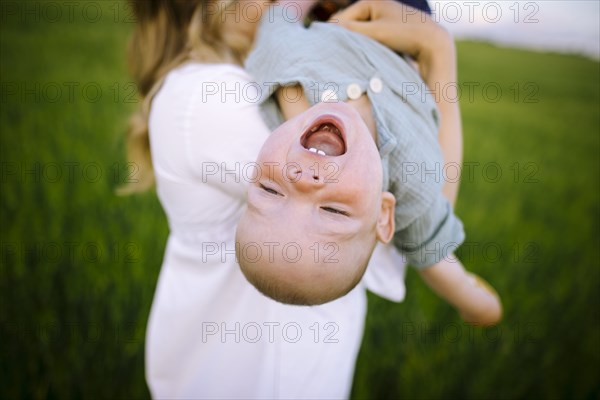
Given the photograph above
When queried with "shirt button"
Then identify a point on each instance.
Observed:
(329, 96)
(376, 85)
(353, 91)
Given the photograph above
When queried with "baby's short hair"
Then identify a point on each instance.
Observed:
(299, 283)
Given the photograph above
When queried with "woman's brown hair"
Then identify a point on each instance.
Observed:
(167, 34)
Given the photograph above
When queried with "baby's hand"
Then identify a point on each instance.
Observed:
(479, 284)
(476, 301)
(478, 281)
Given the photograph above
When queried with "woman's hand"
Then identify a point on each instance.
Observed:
(398, 26)
(401, 28)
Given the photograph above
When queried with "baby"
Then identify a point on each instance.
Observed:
(338, 177)
(317, 209)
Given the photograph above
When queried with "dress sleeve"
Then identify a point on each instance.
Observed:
(224, 132)
(432, 236)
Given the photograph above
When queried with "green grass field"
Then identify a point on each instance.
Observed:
(78, 265)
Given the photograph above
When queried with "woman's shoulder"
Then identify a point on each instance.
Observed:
(204, 86)
(207, 72)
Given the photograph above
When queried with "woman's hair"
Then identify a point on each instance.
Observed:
(167, 34)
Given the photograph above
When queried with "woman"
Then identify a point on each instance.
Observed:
(210, 333)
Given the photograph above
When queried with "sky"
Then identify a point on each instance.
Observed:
(559, 25)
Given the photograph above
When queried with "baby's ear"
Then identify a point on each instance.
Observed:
(385, 223)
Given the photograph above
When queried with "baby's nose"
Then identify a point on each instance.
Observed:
(309, 178)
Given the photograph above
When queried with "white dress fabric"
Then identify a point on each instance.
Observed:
(210, 333)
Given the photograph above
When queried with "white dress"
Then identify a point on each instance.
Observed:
(210, 333)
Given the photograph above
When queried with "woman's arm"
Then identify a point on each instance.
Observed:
(433, 49)
(438, 69)
(407, 30)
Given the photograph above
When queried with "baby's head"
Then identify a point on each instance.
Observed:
(316, 208)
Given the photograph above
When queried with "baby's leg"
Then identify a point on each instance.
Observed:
(364, 108)
(292, 101)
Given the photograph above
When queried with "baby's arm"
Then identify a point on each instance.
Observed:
(474, 298)
(292, 101)
(476, 301)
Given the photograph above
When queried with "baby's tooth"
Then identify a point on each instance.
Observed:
(321, 152)
(326, 128)
(314, 129)
(312, 150)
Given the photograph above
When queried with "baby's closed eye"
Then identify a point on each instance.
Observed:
(270, 190)
(334, 211)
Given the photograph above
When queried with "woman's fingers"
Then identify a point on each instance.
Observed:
(367, 17)
(395, 25)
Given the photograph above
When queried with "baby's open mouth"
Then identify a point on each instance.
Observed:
(324, 138)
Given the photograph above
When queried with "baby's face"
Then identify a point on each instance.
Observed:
(321, 171)
(316, 209)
